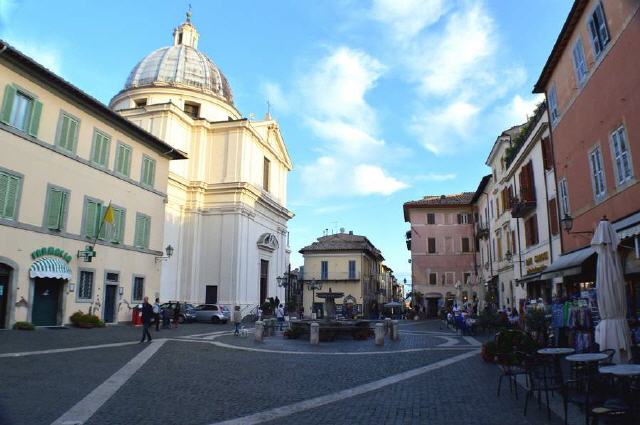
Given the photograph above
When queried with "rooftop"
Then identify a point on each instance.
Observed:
(457, 199)
(343, 242)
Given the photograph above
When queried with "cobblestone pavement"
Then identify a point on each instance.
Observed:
(202, 375)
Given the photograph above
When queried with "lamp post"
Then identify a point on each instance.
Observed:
(313, 285)
(169, 251)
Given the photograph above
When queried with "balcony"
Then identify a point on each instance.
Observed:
(521, 207)
(482, 231)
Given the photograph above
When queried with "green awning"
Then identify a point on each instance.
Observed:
(51, 267)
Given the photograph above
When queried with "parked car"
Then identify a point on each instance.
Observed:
(187, 311)
(214, 313)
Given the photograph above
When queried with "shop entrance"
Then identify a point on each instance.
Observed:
(110, 292)
(46, 301)
(5, 278)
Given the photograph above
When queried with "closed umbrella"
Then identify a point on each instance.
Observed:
(613, 330)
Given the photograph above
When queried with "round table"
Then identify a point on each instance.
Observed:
(586, 357)
(622, 369)
(556, 351)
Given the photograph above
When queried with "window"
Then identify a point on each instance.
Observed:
(85, 285)
(20, 110)
(463, 218)
(92, 217)
(431, 245)
(598, 30)
(433, 278)
(67, 135)
(100, 148)
(531, 230)
(192, 109)
(527, 183)
(352, 269)
(597, 173)
(431, 218)
(55, 211)
(579, 63)
(620, 148)
(148, 174)
(143, 227)
(138, 288)
(552, 97)
(112, 232)
(450, 278)
(466, 247)
(113, 277)
(499, 244)
(491, 207)
(123, 159)
(9, 191)
(553, 216)
(547, 155)
(324, 270)
(513, 242)
(140, 102)
(266, 170)
(564, 197)
(465, 278)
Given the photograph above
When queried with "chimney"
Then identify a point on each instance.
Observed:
(342, 230)
(351, 232)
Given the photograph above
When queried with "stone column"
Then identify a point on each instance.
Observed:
(379, 332)
(259, 333)
(395, 330)
(314, 337)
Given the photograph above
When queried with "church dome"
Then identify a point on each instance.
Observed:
(181, 65)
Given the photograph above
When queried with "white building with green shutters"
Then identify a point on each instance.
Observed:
(65, 158)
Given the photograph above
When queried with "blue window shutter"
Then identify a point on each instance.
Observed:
(7, 103)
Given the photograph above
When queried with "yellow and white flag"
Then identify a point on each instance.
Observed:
(108, 215)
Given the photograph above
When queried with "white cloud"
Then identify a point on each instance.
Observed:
(407, 18)
(519, 109)
(370, 179)
(435, 177)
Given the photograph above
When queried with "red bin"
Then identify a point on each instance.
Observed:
(136, 318)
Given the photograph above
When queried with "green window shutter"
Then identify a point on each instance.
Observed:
(8, 195)
(73, 135)
(95, 154)
(7, 103)
(118, 226)
(91, 210)
(63, 137)
(34, 121)
(102, 225)
(138, 238)
(127, 161)
(147, 230)
(145, 166)
(119, 157)
(104, 151)
(55, 209)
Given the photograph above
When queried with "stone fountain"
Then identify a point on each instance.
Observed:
(330, 302)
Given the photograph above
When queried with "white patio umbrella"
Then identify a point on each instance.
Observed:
(613, 330)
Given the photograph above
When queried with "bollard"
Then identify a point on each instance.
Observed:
(259, 334)
(314, 337)
(395, 330)
(387, 325)
(313, 316)
(379, 332)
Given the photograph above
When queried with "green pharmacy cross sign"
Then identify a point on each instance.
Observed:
(87, 254)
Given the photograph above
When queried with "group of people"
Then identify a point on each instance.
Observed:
(156, 313)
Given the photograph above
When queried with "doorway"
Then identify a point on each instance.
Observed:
(5, 278)
(211, 294)
(264, 280)
(46, 301)
(110, 292)
(432, 308)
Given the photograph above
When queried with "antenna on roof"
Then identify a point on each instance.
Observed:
(267, 116)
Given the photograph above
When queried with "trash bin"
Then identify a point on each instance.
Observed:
(136, 317)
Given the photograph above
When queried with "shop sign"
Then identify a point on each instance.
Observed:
(533, 265)
(51, 251)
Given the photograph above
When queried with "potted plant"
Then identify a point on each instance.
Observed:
(86, 321)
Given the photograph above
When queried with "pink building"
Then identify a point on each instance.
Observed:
(441, 241)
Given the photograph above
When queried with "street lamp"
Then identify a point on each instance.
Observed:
(567, 224)
(169, 251)
(313, 285)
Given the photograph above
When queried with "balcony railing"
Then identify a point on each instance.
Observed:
(522, 207)
(482, 230)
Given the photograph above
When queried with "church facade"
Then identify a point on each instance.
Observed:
(226, 214)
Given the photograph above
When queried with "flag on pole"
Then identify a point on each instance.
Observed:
(108, 214)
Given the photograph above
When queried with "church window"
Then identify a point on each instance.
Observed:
(266, 171)
(192, 109)
(148, 171)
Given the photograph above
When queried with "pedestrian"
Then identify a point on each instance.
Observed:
(167, 314)
(301, 313)
(259, 313)
(276, 302)
(280, 316)
(176, 314)
(156, 313)
(147, 315)
(237, 319)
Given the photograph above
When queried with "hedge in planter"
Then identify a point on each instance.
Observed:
(23, 326)
(84, 320)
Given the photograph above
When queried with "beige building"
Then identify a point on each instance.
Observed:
(342, 262)
(226, 214)
(65, 157)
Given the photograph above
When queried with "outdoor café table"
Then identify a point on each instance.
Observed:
(623, 371)
(590, 359)
(556, 353)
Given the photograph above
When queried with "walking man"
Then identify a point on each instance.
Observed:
(147, 315)
(280, 316)
(237, 319)
(156, 313)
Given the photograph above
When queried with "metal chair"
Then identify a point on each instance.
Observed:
(543, 378)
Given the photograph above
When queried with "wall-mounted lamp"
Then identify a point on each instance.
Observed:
(169, 251)
(72, 287)
(121, 290)
(567, 224)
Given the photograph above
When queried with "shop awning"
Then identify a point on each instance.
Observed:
(628, 227)
(568, 264)
(50, 267)
(530, 277)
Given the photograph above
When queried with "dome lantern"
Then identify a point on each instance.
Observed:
(186, 34)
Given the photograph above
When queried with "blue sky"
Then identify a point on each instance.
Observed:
(380, 101)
